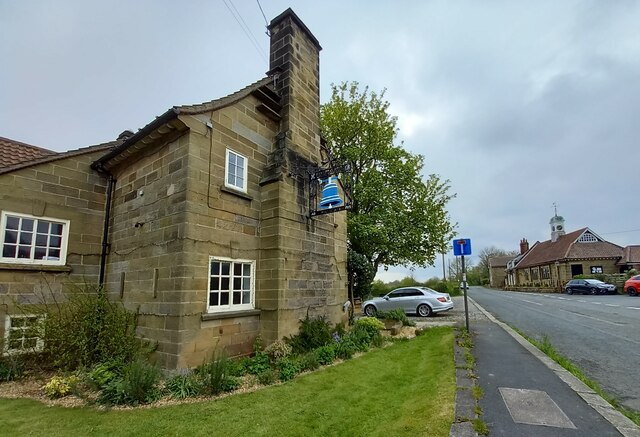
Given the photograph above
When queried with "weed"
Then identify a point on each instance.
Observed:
(480, 426)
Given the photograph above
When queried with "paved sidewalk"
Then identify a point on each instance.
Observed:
(526, 393)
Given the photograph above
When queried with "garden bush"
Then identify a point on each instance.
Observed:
(215, 375)
(183, 386)
(309, 361)
(10, 368)
(326, 354)
(277, 350)
(88, 329)
(288, 368)
(395, 314)
(60, 386)
(138, 384)
(314, 333)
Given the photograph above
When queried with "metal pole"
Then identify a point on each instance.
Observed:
(444, 274)
(466, 306)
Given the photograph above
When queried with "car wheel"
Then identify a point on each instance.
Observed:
(370, 311)
(632, 291)
(424, 310)
(593, 291)
(569, 291)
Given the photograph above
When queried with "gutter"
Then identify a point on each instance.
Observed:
(111, 182)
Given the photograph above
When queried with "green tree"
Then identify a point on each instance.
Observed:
(397, 218)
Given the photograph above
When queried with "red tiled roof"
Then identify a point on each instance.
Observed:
(14, 152)
(566, 247)
(630, 255)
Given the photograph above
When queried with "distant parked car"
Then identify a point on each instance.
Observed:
(632, 285)
(589, 286)
(422, 301)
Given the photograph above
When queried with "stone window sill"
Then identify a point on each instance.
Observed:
(34, 267)
(235, 192)
(230, 315)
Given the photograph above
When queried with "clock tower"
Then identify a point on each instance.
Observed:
(557, 225)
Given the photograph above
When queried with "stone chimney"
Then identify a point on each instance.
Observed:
(295, 61)
(524, 246)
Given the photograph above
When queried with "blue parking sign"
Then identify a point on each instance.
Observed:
(462, 247)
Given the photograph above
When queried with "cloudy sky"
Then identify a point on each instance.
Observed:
(520, 104)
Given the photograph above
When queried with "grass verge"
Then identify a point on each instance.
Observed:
(406, 389)
(547, 348)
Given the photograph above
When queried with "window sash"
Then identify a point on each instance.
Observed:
(231, 284)
(21, 334)
(25, 239)
(235, 171)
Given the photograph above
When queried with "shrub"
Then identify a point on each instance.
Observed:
(88, 329)
(326, 354)
(214, 375)
(313, 333)
(396, 314)
(258, 364)
(277, 350)
(10, 368)
(183, 386)
(346, 348)
(288, 368)
(309, 361)
(137, 385)
(369, 324)
(60, 386)
(103, 373)
(267, 376)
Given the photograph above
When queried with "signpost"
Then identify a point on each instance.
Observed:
(461, 248)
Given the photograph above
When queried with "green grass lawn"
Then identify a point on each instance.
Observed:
(405, 389)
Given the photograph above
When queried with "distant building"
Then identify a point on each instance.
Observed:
(498, 270)
(550, 264)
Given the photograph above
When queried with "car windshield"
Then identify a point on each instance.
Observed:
(594, 281)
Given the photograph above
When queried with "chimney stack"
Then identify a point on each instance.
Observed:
(524, 246)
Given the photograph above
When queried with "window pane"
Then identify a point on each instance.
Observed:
(240, 163)
(43, 226)
(213, 299)
(214, 284)
(246, 297)
(237, 269)
(215, 268)
(237, 283)
(224, 285)
(24, 251)
(30, 343)
(54, 253)
(40, 253)
(26, 237)
(41, 240)
(226, 268)
(56, 228)
(246, 283)
(246, 269)
(9, 251)
(12, 222)
(17, 322)
(27, 224)
(55, 241)
(11, 237)
(224, 298)
(236, 297)
(232, 160)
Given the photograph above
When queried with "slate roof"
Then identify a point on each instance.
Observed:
(630, 255)
(14, 152)
(567, 247)
(500, 261)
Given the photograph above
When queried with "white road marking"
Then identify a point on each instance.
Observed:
(592, 318)
(583, 301)
(610, 305)
(535, 303)
(562, 298)
(633, 308)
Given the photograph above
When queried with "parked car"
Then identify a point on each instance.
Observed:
(589, 286)
(422, 301)
(632, 285)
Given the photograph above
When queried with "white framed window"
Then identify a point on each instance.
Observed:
(26, 239)
(235, 170)
(231, 284)
(22, 334)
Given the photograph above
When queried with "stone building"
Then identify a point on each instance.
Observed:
(550, 264)
(200, 221)
(498, 270)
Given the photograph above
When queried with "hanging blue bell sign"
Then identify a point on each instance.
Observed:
(330, 197)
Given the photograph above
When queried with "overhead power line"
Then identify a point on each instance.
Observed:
(245, 28)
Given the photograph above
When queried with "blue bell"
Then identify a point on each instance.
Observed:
(330, 197)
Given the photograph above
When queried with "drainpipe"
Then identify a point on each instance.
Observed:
(105, 229)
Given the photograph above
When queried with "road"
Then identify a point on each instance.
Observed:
(597, 333)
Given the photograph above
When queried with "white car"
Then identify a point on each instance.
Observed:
(422, 301)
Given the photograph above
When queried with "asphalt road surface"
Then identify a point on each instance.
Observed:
(600, 334)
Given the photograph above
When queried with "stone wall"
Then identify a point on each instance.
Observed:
(65, 189)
